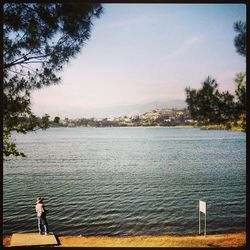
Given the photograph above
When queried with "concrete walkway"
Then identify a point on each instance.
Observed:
(32, 239)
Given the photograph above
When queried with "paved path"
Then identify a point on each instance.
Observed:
(32, 239)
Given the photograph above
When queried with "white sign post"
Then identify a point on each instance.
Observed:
(203, 209)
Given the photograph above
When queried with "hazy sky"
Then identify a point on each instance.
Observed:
(139, 53)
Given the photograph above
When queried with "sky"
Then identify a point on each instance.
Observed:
(140, 53)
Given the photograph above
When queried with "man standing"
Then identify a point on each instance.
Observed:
(41, 216)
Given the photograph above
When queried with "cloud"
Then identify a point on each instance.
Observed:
(185, 46)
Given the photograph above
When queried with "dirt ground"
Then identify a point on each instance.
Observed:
(217, 240)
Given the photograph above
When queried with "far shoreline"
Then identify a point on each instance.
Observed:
(207, 127)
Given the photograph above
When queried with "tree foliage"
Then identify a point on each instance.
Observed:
(240, 93)
(57, 119)
(240, 79)
(38, 40)
(208, 105)
(240, 39)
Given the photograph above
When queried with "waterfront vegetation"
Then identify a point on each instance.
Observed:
(212, 108)
(38, 41)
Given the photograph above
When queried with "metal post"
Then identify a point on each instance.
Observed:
(203, 209)
(199, 222)
(205, 227)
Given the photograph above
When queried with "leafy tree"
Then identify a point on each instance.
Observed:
(208, 105)
(240, 39)
(226, 107)
(240, 79)
(57, 119)
(240, 106)
(240, 92)
(38, 40)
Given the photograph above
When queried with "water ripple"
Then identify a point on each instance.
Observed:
(127, 181)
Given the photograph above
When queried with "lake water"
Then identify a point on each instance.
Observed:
(127, 181)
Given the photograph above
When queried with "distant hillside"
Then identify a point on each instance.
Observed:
(129, 110)
(156, 117)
